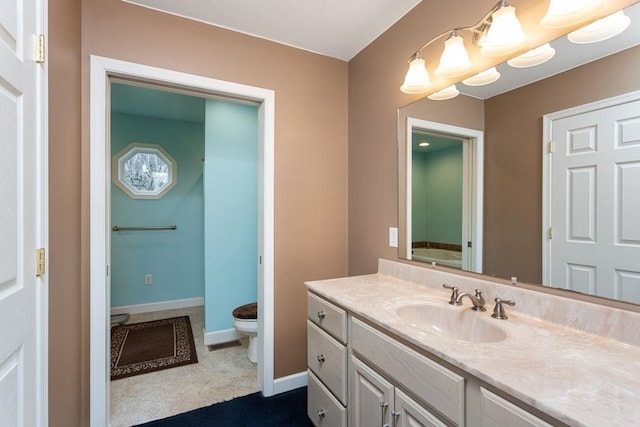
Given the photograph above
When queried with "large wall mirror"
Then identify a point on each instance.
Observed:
(511, 114)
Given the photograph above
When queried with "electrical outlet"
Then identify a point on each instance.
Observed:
(148, 279)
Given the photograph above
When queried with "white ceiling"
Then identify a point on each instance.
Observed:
(336, 28)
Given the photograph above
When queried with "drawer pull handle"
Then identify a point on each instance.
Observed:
(394, 418)
(321, 413)
(383, 407)
(321, 314)
(321, 358)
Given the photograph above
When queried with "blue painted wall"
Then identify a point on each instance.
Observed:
(231, 210)
(437, 196)
(174, 258)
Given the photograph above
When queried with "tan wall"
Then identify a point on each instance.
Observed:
(68, 403)
(310, 166)
(513, 158)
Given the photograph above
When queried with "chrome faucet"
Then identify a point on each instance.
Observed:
(477, 300)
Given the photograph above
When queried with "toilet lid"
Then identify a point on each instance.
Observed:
(247, 311)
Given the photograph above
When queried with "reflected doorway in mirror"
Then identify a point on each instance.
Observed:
(443, 198)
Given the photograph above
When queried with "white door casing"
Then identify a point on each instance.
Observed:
(23, 197)
(592, 199)
(102, 69)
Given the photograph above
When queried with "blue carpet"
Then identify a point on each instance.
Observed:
(282, 410)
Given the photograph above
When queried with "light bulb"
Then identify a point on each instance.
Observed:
(537, 56)
(454, 60)
(602, 29)
(505, 33)
(417, 79)
(563, 13)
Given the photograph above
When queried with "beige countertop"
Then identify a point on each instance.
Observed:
(579, 378)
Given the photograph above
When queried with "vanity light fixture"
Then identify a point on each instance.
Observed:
(498, 33)
(563, 13)
(417, 79)
(485, 77)
(504, 35)
(424, 144)
(455, 59)
(602, 29)
(537, 56)
(446, 93)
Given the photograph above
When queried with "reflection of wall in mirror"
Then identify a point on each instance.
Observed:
(437, 196)
(513, 157)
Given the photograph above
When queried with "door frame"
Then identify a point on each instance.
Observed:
(101, 71)
(472, 183)
(547, 166)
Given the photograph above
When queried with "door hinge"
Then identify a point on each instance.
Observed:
(550, 233)
(40, 49)
(39, 262)
(550, 147)
(469, 244)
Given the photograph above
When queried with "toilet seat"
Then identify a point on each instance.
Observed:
(246, 312)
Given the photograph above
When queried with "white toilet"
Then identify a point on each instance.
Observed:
(245, 320)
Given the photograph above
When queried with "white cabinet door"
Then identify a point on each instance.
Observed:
(410, 413)
(21, 207)
(371, 399)
(595, 202)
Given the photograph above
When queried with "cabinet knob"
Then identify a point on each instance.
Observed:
(321, 413)
(321, 314)
(321, 358)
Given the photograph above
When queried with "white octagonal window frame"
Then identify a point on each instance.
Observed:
(144, 171)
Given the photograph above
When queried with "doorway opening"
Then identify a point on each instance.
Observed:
(103, 72)
(184, 245)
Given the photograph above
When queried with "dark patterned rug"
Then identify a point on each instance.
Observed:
(139, 348)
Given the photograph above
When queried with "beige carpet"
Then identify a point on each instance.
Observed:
(218, 376)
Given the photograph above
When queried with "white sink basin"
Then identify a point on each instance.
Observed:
(452, 322)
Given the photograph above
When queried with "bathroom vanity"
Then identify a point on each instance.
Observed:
(387, 349)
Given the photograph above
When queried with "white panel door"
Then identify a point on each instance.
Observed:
(595, 202)
(21, 95)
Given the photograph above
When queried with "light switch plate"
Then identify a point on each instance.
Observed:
(393, 237)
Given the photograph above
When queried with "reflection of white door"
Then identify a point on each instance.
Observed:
(594, 199)
(21, 157)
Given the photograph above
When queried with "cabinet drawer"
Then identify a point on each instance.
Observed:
(327, 358)
(329, 317)
(322, 408)
(439, 387)
(498, 412)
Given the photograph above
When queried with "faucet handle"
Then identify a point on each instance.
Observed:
(498, 310)
(454, 294)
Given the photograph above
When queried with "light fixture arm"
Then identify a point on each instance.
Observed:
(478, 29)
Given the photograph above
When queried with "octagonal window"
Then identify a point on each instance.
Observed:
(144, 171)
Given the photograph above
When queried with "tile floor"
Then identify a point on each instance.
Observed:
(218, 376)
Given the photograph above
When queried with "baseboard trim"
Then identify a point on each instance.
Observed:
(290, 382)
(158, 306)
(219, 337)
